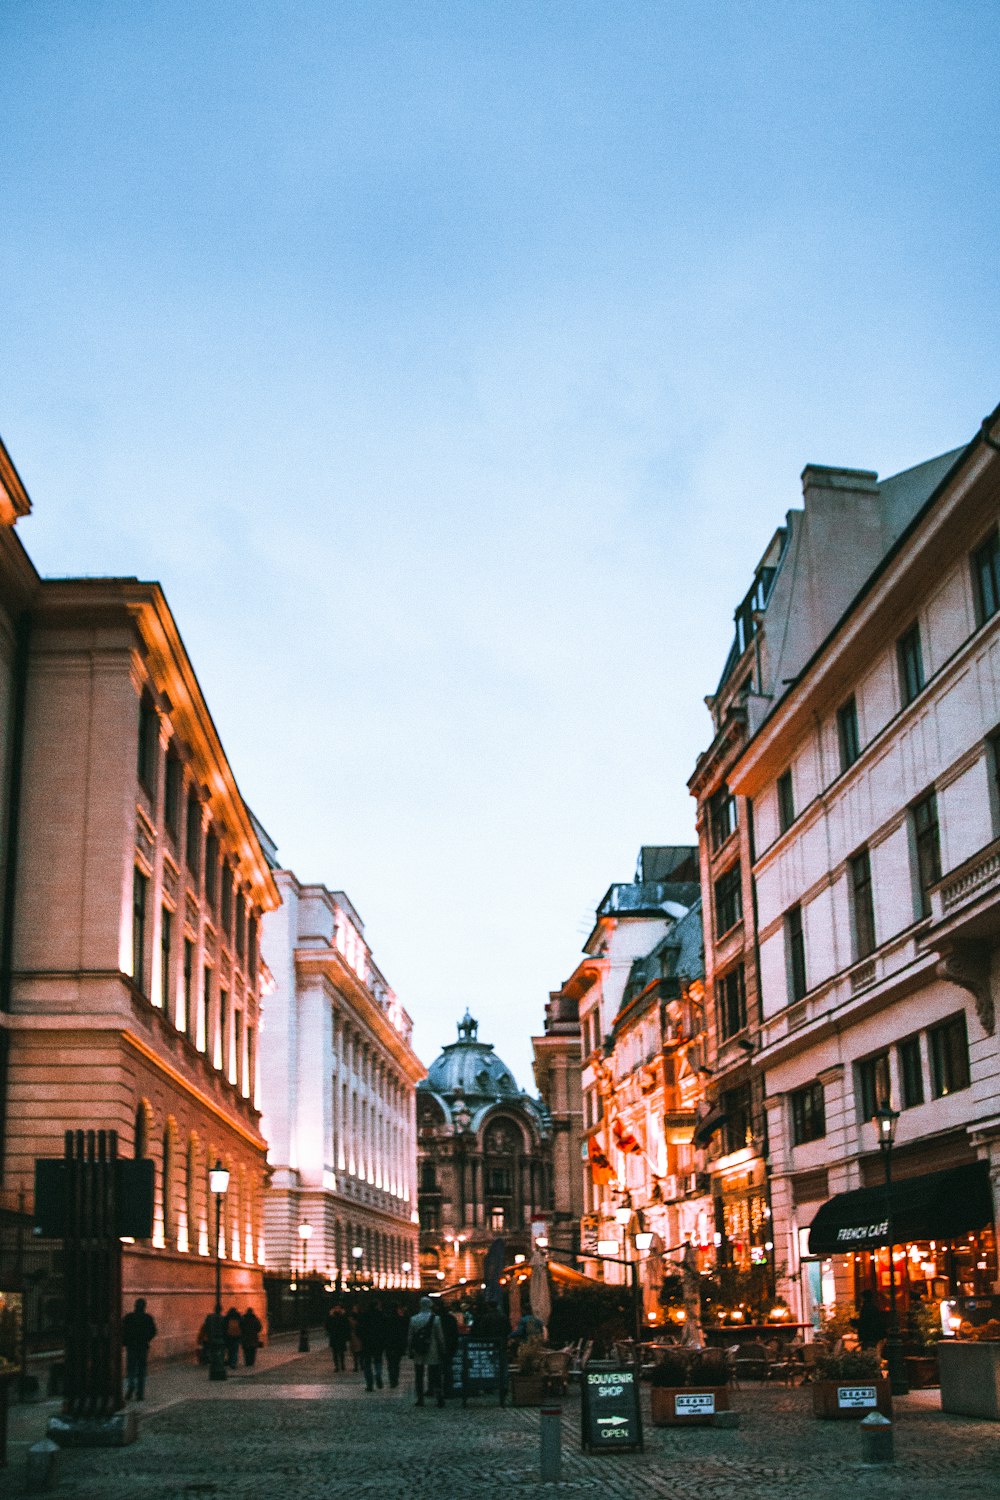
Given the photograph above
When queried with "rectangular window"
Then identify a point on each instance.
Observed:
(498, 1180)
(211, 868)
(721, 816)
(986, 578)
(847, 733)
(251, 949)
(786, 802)
(149, 739)
(737, 1132)
(873, 1084)
(236, 1061)
(185, 1019)
(226, 898)
(221, 1031)
(192, 851)
(927, 845)
(949, 1049)
(172, 795)
(204, 1009)
(166, 940)
(496, 1220)
(140, 894)
(731, 1002)
(862, 903)
(241, 927)
(728, 900)
(808, 1114)
(911, 664)
(911, 1073)
(795, 948)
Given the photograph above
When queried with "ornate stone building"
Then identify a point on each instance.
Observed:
(338, 1076)
(484, 1155)
(557, 1073)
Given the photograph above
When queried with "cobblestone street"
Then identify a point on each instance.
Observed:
(294, 1429)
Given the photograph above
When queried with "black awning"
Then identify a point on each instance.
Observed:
(936, 1206)
(705, 1128)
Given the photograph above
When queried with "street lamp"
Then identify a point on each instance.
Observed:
(885, 1120)
(356, 1253)
(406, 1269)
(305, 1230)
(218, 1183)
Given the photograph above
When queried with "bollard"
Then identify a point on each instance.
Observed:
(876, 1439)
(43, 1466)
(551, 1430)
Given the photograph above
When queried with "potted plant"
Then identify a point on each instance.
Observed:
(850, 1386)
(926, 1334)
(687, 1391)
(969, 1369)
(527, 1377)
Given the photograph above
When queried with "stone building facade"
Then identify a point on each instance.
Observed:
(872, 770)
(557, 1075)
(338, 1080)
(135, 893)
(484, 1159)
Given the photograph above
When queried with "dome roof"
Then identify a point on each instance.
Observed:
(471, 1066)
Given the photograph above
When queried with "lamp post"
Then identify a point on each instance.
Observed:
(623, 1216)
(218, 1183)
(885, 1120)
(406, 1268)
(356, 1253)
(305, 1230)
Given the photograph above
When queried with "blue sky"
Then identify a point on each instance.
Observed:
(451, 366)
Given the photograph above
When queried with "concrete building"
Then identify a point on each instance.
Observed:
(557, 1076)
(338, 1076)
(484, 1161)
(135, 884)
(870, 770)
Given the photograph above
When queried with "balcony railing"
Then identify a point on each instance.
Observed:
(977, 877)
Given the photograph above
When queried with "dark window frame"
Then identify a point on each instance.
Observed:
(738, 1127)
(911, 1072)
(873, 1083)
(910, 659)
(985, 564)
(795, 948)
(723, 817)
(926, 828)
(192, 835)
(862, 903)
(848, 733)
(147, 746)
(808, 1113)
(948, 1045)
(728, 899)
(166, 958)
(140, 908)
(187, 987)
(731, 1002)
(786, 801)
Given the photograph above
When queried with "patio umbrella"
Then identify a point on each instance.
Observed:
(514, 1301)
(652, 1277)
(693, 1334)
(541, 1292)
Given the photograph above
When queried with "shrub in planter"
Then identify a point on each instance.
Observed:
(850, 1386)
(687, 1392)
(527, 1378)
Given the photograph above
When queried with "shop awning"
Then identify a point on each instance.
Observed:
(936, 1206)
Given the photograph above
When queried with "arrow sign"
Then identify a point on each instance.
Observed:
(612, 1421)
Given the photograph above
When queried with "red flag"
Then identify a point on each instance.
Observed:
(625, 1140)
(599, 1165)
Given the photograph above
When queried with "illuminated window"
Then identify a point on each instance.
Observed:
(949, 1049)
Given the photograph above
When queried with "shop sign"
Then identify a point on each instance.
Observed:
(857, 1395)
(691, 1405)
(610, 1413)
(853, 1232)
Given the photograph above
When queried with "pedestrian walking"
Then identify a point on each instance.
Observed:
(232, 1333)
(353, 1339)
(425, 1346)
(371, 1332)
(250, 1329)
(870, 1322)
(338, 1333)
(138, 1332)
(397, 1328)
(449, 1328)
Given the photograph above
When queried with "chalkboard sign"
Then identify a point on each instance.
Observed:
(611, 1420)
(479, 1368)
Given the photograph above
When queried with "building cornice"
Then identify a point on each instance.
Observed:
(328, 964)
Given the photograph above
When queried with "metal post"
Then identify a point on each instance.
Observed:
(551, 1443)
(303, 1328)
(216, 1347)
(894, 1345)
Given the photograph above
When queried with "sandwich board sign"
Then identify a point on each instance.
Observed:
(611, 1420)
(479, 1368)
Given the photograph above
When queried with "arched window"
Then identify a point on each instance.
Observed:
(140, 1138)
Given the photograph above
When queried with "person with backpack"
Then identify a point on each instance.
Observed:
(425, 1346)
(232, 1333)
(250, 1330)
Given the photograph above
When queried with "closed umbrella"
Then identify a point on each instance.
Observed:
(541, 1292)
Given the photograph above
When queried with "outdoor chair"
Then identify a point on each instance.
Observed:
(752, 1362)
(557, 1364)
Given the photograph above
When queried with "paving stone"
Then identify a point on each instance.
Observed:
(301, 1432)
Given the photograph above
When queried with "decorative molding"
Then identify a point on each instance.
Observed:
(967, 964)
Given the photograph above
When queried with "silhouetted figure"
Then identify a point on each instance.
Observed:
(138, 1332)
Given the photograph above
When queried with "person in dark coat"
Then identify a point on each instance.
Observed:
(397, 1328)
(425, 1346)
(250, 1327)
(138, 1332)
(371, 1332)
(449, 1328)
(870, 1322)
(338, 1332)
(232, 1332)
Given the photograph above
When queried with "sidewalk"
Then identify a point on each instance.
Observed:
(167, 1384)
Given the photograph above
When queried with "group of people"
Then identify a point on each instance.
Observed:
(239, 1331)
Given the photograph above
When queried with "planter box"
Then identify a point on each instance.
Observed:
(687, 1405)
(526, 1390)
(850, 1400)
(970, 1378)
(921, 1371)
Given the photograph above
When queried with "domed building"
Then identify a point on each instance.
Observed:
(484, 1160)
